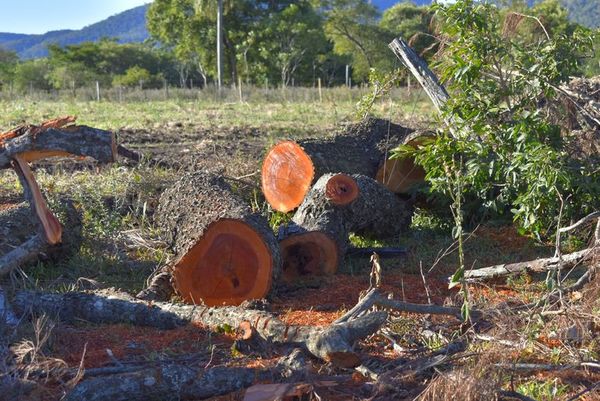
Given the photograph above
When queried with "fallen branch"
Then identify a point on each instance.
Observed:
(333, 343)
(69, 141)
(375, 298)
(535, 266)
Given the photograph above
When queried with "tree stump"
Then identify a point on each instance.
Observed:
(290, 168)
(317, 239)
(225, 253)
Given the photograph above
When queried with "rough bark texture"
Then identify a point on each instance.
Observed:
(359, 149)
(568, 261)
(207, 224)
(175, 381)
(160, 287)
(376, 212)
(75, 140)
(332, 343)
(167, 382)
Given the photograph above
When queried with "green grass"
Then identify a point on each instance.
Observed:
(281, 118)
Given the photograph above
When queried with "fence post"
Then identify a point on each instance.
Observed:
(97, 91)
(240, 89)
(320, 92)
(166, 90)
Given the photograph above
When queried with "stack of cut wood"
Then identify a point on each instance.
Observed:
(226, 254)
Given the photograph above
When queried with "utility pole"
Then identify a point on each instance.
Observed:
(219, 43)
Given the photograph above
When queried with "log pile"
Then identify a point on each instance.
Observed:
(290, 168)
(225, 254)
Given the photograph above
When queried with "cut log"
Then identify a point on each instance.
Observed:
(317, 239)
(225, 253)
(69, 141)
(401, 175)
(307, 254)
(290, 168)
(332, 343)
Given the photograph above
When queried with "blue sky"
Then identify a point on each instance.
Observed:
(40, 16)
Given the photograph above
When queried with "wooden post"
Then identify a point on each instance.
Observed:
(166, 90)
(347, 74)
(320, 92)
(97, 91)
(240, 89)
(219, 43)
(120, 94)
(419, 68)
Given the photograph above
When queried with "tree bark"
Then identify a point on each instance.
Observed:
(290, 168)
(68, 141)
(333, 343)
(225, 253)
(317, 239)
(376, 212)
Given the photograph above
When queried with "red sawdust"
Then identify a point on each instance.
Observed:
(321, 306)
(128, 342)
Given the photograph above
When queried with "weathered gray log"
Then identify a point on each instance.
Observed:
(225, 253)
(178, 381)
(332, 343)
(568, 261)
(291, 167)
(167, 382)
(419, 68)
(75, 140)
(376, 212)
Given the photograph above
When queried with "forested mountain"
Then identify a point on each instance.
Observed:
(128, 26)
(584, 12)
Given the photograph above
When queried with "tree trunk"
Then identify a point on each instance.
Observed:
(373, 211)
(225, 253)
(290, 168)
(333, 343)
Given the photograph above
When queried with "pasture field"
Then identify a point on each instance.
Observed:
(120, 247)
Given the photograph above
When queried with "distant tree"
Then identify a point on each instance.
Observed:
(291, 42)
(102, 61)
(353, 27)
(8, 64)
(138, 77)
(32, 74)
(411, 22)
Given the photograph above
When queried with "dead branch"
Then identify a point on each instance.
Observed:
(375, 298)
(535, 266)
(333, 343)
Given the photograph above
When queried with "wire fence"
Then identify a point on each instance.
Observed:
(210, 93)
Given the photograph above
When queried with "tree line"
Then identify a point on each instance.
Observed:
(274, 43)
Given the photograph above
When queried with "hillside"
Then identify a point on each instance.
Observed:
(128, 26)
(584, 12)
